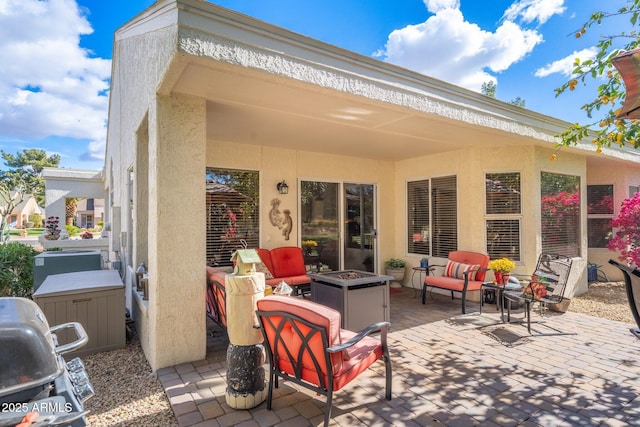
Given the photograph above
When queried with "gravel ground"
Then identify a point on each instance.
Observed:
(604, 300)
(129, 394)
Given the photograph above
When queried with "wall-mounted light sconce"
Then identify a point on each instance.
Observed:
(282, 187)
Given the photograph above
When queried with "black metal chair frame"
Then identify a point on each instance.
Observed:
(266, 317)
(555, 269)
(631, 275)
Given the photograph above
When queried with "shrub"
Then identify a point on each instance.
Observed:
(36, 219)
(16, 270)
(72, 230)
(627, 237)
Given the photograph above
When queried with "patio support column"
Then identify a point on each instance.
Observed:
(176, 236)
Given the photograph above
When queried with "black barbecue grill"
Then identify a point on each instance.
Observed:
(34, 376)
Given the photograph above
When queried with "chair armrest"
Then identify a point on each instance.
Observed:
(381, 327)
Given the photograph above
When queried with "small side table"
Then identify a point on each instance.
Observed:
(499, 290)
(420, 270)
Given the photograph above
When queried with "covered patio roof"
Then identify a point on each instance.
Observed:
(267, 86)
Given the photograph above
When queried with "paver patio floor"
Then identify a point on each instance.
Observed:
(448, 370)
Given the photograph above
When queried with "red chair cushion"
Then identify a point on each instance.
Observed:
(287, 261)
(360, 357)
(312, 312)
(265, 256)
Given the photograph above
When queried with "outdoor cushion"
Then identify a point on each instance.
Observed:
(291, 280)
(357, 359)
(265, 256)
(262, 268)
(457, 270)
(287, 261)
(312, 312)
(453, 283)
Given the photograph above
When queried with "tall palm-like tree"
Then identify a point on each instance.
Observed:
(71, 210)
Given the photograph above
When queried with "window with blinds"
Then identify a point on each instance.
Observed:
(418, 220)
(232, 213)
(599, 215)
(432, 223)
(560, 214)
(503, 211)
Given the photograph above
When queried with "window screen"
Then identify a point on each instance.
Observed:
(599, 215)
(418, 220)
(232, 213)
(560, 214)
(503, 210)
(432, 216)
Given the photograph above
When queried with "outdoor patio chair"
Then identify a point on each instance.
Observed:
(306, 346)
(464, 271)
(545, 287)
(632, 286)
(216, 298)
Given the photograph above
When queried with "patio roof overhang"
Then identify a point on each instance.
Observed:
(267, 86)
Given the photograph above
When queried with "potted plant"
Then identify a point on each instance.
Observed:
(424, 262)
(395, 268)
(501, 268)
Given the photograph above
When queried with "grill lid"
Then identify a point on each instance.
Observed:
(28, 357)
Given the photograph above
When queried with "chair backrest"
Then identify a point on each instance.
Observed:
(216, 300)
(632, 286)
(265, 256)
(473, 258)
(287, 261)
(297, 332)
(553, 271)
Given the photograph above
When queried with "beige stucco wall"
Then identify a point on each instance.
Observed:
(276, 164)
(470, 167)
(160, 135)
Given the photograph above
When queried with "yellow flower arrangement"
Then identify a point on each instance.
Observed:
(503, 265)
(308, 246)
(310, 243)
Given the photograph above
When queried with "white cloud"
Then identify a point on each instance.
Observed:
(566, 65)
(49, 85)
(534, 10)
(447, 47)
(435, 6)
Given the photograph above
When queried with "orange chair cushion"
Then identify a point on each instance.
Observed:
(360, 357)
(451, 283)
(213, 274)
(346, 365)
(265, 256)
(291, 281)
(312, 312)
(287, 261)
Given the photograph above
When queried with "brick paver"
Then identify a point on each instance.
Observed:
(448, 370)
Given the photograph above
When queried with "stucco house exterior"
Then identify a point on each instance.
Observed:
(392, 162)
(19, 217)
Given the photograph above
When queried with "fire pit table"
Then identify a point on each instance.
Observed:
(361, 297)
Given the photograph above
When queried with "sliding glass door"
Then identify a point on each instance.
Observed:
(338, 225)
(359, 227)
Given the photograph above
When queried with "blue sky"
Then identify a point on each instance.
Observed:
(56, 55)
